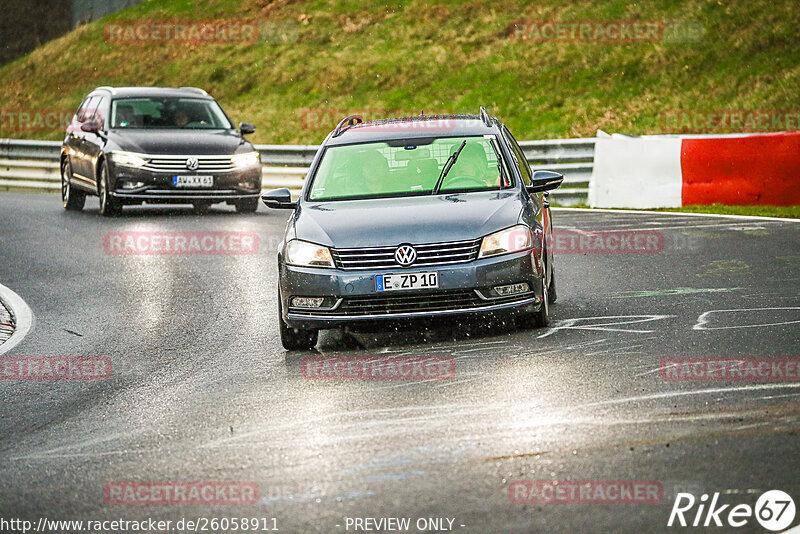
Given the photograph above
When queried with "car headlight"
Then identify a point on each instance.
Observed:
(128, 158)
(248, 159)
(514, 239)
(307, 254)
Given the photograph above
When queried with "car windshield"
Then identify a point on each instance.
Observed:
(409, 167)
(169, 112)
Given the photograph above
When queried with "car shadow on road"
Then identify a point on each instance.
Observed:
(398, 336)
(138, 212)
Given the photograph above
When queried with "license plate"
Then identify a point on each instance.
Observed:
(401, 281)
(193, 180)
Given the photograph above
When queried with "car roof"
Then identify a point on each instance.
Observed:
(124, 92)
(420, 126)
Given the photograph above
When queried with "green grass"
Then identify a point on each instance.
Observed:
(790, 212)
(388, 58)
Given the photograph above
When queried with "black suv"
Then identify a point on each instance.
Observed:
(130, 145)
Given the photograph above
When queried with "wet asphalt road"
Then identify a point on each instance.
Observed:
(202, 390)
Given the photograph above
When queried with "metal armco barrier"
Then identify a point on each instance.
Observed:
(34, 165)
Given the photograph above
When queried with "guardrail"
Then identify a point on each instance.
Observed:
(27, 165)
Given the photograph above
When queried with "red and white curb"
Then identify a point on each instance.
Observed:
(16, 319)
(663, 171)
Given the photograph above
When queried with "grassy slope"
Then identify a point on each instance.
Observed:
(434, 55)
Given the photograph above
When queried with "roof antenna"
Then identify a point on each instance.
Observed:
(421, 112)
(485, 117)
(346, 123)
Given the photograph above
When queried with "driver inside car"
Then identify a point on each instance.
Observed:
(472, 163)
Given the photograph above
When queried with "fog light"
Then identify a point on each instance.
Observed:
(131, 185)
(512, 289)
(248, 184)
(307, 302)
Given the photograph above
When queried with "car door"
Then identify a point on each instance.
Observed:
(94, 142)
(73, 141)
(81, 166)
(537, 201)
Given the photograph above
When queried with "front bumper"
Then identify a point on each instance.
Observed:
(157, 186)
(464, 289)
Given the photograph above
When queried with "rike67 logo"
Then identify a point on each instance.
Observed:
(774, 511)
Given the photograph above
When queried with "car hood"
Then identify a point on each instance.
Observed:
(178, 142)
(416, 220)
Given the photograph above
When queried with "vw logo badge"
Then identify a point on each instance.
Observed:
(405, 255)
(192, 163)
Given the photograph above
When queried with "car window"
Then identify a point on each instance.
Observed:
(102, 110)
(87, 108)
(80, 111)
(408, 167)
(167, 112)
(519, 157)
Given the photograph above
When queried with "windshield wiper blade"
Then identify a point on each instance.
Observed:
(505, 181)
(447, 166)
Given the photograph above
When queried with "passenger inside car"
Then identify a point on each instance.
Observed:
(473, 163)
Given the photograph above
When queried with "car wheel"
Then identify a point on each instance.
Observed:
(541, 317)
(71, 198)
(109, 206)
(295, 338)
(201, 208)
(247, 205)
(551, 291)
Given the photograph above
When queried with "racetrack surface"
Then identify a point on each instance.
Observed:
(202, 390)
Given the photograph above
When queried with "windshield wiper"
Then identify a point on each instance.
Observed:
(505, 182)
(447, 166)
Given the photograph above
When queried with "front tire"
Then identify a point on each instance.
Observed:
(295, 338)
(247, 205)
(72, 199)
(541, 317)
(109, 206)
(551, 291)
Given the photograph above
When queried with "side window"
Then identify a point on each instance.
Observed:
(519, 156)
(103, 110)
(87, 109)
(81, 111)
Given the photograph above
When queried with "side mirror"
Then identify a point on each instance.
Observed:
(246, 128)
(544, 181)
(91, 125)
(279, 199)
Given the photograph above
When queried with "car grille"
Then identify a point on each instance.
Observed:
(431, 254)
(452, 300)
(178, 164)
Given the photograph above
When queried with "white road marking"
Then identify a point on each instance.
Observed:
(671, 394)
(23, 318)
(571, 324)
(703, 319)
